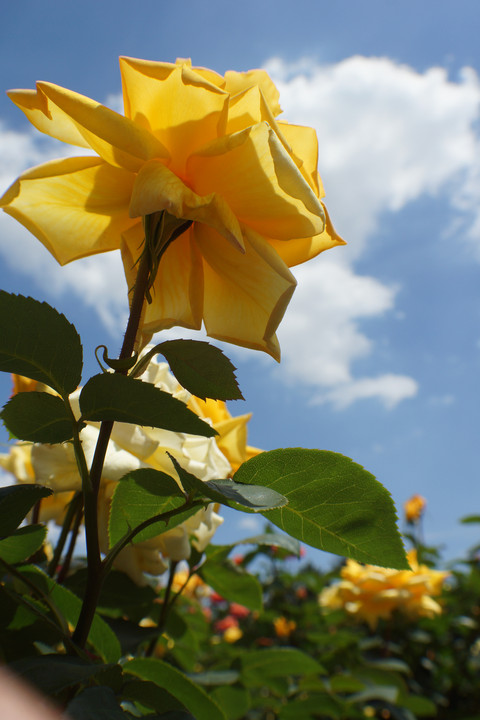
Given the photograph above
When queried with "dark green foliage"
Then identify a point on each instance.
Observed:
(39, 342)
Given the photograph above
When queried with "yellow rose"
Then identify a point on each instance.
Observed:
(205, 148)
(368, 592)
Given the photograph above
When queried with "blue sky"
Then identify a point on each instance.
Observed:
(381, 342)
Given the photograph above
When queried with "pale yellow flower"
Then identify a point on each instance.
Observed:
(18, 462)
(232, 431)
(368, 592)
(132, 447)
(232, 634)
(207, 149)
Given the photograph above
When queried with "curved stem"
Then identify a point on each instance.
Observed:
(165, 607)
(107, 562)
(95, 571)
(157, 238)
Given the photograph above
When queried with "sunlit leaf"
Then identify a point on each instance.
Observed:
(23, 543)
(333, 504)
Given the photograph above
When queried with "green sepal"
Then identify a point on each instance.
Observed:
(115, 363)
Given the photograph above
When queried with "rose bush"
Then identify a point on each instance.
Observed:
(133, 447)
(207, 149)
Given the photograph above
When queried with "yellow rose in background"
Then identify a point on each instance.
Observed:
(368, 592)
(132, 447)
(205, 148)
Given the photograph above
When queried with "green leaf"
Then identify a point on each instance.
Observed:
(38, 417)
(258, 665)
(227, 491)
(39, 342)
(15, 503)
(96, 703)
(334, 504)
(101, 637)
(231, 582)
(215, 677)
(234, 701)
(148, 694)
(114, 397)
(418, 705)
(119, 596)
(314, 707)
(23, 543)
(193, 697)
(470, 519)
(141, 495)
(201, 368)
(54, 673)
(273, 540)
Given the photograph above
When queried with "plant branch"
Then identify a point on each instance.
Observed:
(71, 546)
(128, 537)
(75, 503)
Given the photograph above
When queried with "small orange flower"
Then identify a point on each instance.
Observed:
(414, 508)
(284, 627)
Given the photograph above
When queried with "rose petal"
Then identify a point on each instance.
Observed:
(245, 295)
(260, 182)
(235, 82)
(294, 252)
(182, 109)
(117, 139)
(75, 207)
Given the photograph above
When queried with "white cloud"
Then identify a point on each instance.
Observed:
(391, 389)
(387, 134)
